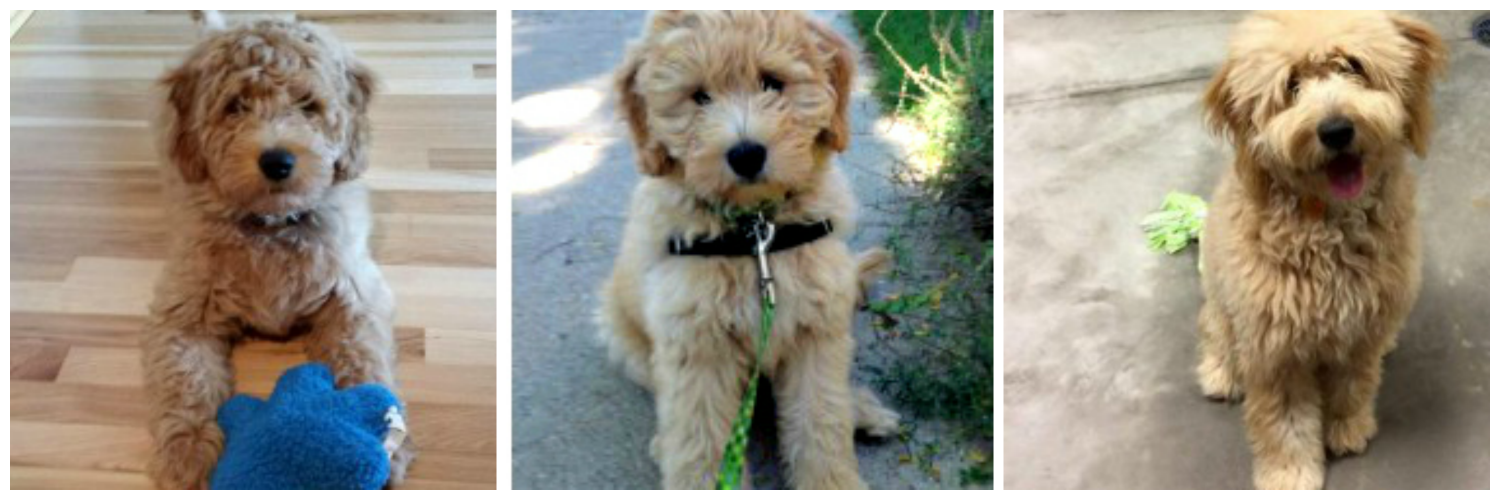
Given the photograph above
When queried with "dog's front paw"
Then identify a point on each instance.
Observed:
(1217, 381)
(872, 417)
(184, 461)
(881, 423)
(1307, 476)
(1350, 435)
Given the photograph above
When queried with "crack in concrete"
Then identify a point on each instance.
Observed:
(1084, 92)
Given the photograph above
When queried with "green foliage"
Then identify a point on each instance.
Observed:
(936, 68)
(942, 328)
(901, 304)
(909, 32)
(980, 471)
(940, 332)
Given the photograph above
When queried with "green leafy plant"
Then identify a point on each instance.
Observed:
(935, 71)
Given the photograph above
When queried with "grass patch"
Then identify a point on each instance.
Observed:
(935, 70)
(909, 32)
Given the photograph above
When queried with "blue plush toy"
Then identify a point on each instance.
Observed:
(309, 435)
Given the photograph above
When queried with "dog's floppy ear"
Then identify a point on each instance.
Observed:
(183, 148)
(1230, 122)
(355, 158)
(841, 72)
(1218, 106)
(1428, 61)
(652, 158)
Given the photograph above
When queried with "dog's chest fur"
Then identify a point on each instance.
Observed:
(1314, 284)
(274, 287)
(267, 282)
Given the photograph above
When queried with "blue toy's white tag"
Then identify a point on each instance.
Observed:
(396, 432)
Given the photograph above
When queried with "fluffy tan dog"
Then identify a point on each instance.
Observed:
(1310, 252)
(264, 131)
(731, 111)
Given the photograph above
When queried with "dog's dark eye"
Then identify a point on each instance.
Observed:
(1355, 67)
(312, 107)
(701, 97)
(234, 108)
(1292, 84)
(768, 82)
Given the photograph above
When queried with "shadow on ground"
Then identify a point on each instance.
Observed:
(1100, 333)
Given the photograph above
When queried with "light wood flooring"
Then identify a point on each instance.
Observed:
(88, 234)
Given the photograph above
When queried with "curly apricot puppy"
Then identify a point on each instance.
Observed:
(264, 133)
(732, 110)
(1310, 251)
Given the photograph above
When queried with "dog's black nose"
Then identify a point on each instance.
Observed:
(747, 159)
(277, 163)
(1336, 132)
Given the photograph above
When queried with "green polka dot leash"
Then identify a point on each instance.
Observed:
(733, 463)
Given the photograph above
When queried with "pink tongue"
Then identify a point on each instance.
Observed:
(1346, 176)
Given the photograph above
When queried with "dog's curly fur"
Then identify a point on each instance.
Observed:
(693, 87)
(1310, 252)
(255, 257)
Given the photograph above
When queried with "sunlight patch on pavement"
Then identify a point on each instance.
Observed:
(907, 136)
(556, 165)
(557, 108)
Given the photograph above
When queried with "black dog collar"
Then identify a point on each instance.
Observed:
(740, 241)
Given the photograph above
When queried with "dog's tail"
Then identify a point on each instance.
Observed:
(873, 263)
(209, 21)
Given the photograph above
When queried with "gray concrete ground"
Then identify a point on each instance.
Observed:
(1101, 121)
(577, 422)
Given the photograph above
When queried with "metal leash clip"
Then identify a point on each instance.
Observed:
(765, 233)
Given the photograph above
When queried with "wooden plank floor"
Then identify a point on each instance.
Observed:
(88, 234)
